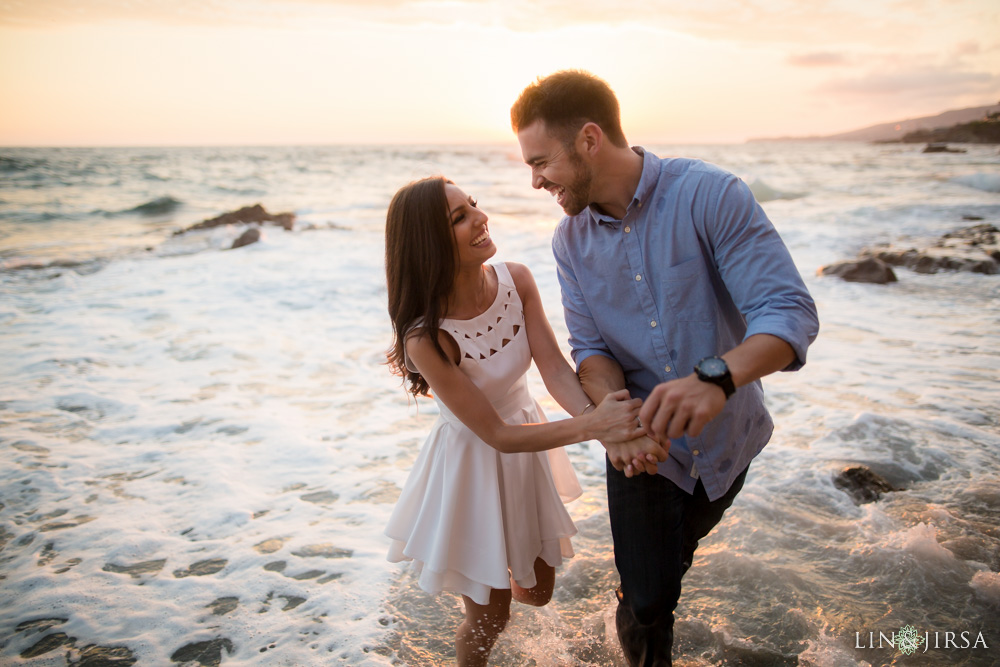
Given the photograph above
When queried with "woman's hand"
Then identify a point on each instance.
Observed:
(616, 419)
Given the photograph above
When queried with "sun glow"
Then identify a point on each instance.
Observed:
(396, 71)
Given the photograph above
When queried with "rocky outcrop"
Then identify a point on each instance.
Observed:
(941, 148)
(255, 214)
(862, 484)
(982, 131)
(866, 270)
(975, 249)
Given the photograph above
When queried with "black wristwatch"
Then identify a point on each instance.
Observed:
(716, 371)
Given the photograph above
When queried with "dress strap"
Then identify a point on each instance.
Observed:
(503, 274)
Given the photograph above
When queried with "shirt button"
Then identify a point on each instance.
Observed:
(628, 229)
(696, 452)
(638, 277)
(640, 204)
(653, 323)
(666, 368)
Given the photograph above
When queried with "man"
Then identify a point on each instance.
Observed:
(676, 286)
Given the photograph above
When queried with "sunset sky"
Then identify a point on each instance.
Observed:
(197, 72)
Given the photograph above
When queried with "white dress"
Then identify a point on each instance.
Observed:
(469, 517)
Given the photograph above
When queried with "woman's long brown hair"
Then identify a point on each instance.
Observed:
(420, 269)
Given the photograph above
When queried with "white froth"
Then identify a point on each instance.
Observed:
(230, 410)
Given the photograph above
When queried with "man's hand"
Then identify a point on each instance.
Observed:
(681, 407)
(637, 455)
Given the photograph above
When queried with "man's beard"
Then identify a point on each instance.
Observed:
(578, 191)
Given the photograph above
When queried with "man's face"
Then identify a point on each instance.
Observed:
(555, 167)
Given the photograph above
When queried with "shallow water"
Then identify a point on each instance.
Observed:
(200, 447)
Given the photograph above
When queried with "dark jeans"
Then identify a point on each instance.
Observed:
(656, 526)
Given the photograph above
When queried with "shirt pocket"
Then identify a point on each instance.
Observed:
(688, 291)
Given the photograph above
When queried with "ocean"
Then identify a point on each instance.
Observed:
(200, 447)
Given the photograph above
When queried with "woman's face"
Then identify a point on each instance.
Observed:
(473, 245)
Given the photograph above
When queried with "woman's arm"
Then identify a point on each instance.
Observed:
(560, 380)
(614, 419)
(633, 455)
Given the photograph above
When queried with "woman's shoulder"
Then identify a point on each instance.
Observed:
(520, 274)
(419, 344)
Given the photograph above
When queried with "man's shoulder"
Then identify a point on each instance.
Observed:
(568, 222)
(679, 167)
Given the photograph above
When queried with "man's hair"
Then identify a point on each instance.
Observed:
(565, 102)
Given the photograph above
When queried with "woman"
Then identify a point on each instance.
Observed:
(482, 511)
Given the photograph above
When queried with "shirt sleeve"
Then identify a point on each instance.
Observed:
(758, 270)
(584, 339)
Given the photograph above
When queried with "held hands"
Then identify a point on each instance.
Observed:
(681, 407)
(628, 446)
(673, 409)
(637, 455)
(616, 418)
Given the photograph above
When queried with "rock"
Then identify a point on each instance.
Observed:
(251, 235)
(320, 497)
(323, 551)
(246, 215)
(975, 249)
(863, 484)
(206, 654)
(48, 643)
(291, 602)
(941, 148)
(105, 656)
(202, 568)
(138, 569)
(222, 606)
(269, 546)
(866, 270)
(40, 624)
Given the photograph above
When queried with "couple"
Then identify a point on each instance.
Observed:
(678, 296)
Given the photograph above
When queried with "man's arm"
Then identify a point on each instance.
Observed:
(765, 285)
(600, 376)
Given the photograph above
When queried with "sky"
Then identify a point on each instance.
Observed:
(265, 72)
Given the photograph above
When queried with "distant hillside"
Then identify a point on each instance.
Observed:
(897, 130)
(977, 132)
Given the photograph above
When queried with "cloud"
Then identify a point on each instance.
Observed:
(39, 13)
(969, 48)
(917, 82)
(782, 20)
(819, 59)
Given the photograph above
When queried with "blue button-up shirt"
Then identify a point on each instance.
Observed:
(692, 270)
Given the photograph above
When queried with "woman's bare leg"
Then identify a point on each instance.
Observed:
(539, 594)
(483, 624)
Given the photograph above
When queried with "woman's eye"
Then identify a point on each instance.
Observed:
(475, 203)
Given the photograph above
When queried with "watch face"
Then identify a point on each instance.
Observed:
(712, 367)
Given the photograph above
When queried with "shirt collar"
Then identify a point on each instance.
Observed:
(647, 182)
